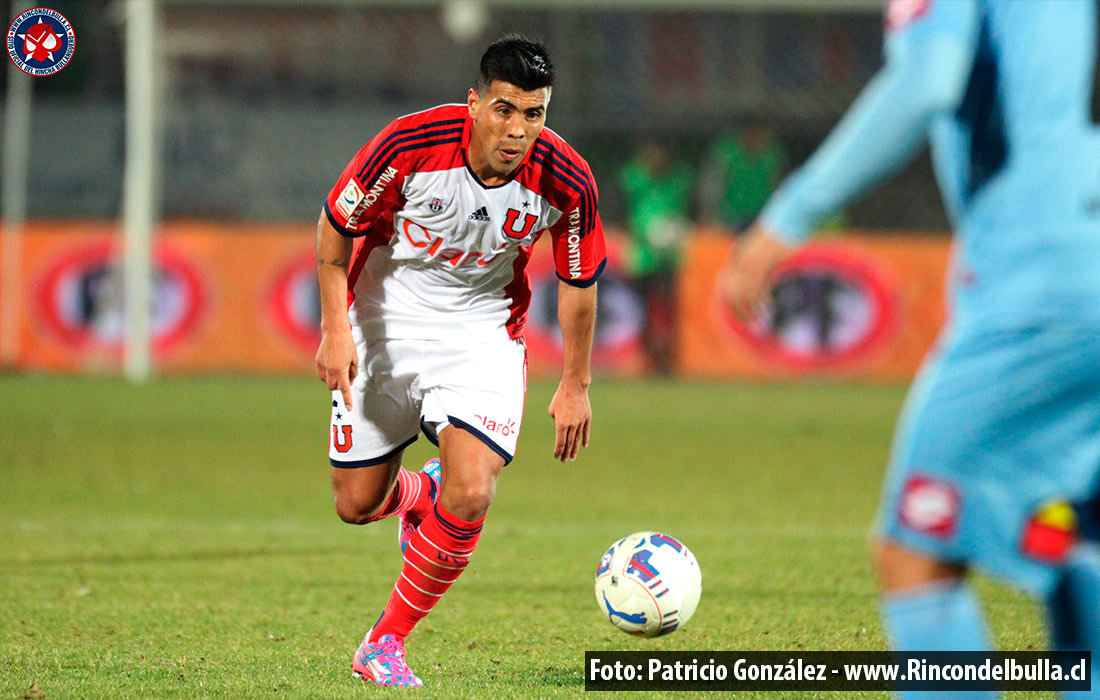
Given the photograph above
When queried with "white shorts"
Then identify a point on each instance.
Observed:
(408, 386)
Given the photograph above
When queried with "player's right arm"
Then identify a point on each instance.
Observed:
(362, 201)
(337, 358)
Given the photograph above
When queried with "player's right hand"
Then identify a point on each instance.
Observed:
(338, 362)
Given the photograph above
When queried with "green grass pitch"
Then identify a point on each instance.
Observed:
(178, 540)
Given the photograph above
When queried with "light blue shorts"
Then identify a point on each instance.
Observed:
(998, 428)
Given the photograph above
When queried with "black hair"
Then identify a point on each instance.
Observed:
(515, 59)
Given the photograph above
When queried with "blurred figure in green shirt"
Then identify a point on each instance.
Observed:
(657, 192)
(743, 168)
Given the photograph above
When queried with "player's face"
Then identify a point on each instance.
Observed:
(506, 122)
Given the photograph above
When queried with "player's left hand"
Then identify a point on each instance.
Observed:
(572, 415)
(749, 271)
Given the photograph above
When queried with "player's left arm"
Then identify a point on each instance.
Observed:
(570, 407)
(579, 257)
(928, 61)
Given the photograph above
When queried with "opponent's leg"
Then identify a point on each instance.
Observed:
(928, 606)
(1074, 610)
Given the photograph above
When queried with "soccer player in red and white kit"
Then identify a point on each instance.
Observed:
(421, 259)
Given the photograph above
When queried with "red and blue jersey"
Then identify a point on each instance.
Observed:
(440, 254)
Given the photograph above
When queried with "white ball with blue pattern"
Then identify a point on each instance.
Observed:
(648, 584)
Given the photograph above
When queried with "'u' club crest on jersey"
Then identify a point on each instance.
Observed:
(510, 229)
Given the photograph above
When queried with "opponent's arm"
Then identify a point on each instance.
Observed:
(570, 407)
(925, 75)
(337, 359)
(880, 133)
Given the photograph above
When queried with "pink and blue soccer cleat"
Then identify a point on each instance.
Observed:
(384, 662)
(406, 525)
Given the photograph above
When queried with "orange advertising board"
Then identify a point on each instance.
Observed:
(855, 306)
(220, 297)
(239, 298)
(243, 298)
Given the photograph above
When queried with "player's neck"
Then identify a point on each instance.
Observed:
(483, 171)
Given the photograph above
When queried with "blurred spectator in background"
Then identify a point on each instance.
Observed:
(743, 167)
(657, 191)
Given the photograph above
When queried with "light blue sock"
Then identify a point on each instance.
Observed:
(937, 617)
(1074, 610)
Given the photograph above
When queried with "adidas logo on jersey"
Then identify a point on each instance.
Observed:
(481, 214)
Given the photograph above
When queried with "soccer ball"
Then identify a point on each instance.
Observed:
(648, 584)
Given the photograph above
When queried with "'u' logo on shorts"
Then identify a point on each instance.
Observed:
(346, 444)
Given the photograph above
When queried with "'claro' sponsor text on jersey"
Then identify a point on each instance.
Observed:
(440, 254)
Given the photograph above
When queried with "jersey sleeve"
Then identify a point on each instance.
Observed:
(580, 251)
(930, 47)
(368, 192)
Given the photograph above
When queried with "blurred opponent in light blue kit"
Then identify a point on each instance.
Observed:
(996, 459)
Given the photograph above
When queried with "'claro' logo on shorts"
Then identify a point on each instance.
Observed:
(830, 307)
(505, 426)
